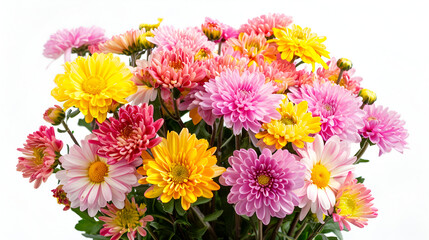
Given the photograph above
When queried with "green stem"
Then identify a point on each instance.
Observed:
(339, 77)
(200, 217)
(212, 138)
(152, 234)
(293, 225)
(361, 151)
(219, 138)
(133, 59)
(164, 127)
(299, 64)
(219, 50)
(237, 221)
(276, 229)
(70, 133)
(227, 141)
(260, 230)
(163, 105)
(176, 110)
(237, 142)
(318, 229)
(300, 230)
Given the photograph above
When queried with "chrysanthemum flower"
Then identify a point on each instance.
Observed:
(212, 30)
(297, 42)
(305, 77)
(227, 31)
(40, 152)
(54, 115)
(254, 47)
(353, 204)
(245, 101)
(176, 69)
(384, 128)
(338, 109)
(227, 61)
(145, 83)
(294, 126)
(264, 24)
(63, 41)
(126, 137)
(326, 166)
(90, 182)
(348, 81)
(92, 83)
(61, 197)
(263, 184)
(131, 220)
(181, 167)
(126, 43)
(280, 74)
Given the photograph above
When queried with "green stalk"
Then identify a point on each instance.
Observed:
(339, 77)
(361, 151)
(70, 133)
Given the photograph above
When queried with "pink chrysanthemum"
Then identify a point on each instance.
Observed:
(168, 38)
(125, 138)
(126, 43)
(40, 151)
(63, 41)
(176, 69)
(145, 83)
(243, 100)
(131, 220)
(281, 75)
(228, 61)
(348, 81)
(326, 167)
(384, 128)
(305, 77)
(90, 182)
(338, 109)
(353, 204)
(263, 184)
(264, 24)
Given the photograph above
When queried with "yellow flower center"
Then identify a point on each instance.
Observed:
(179, 174)
(202, 54)
(93, 85)
(38, 156)
(327, 107)
(97, 171)
(176, 65)
(320, 175)
(127, 218)
(371, 118)
(263, 179)
(347, 204)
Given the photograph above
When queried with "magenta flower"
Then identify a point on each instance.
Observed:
(125, 138)
(263, 184)
(384, 128)
(63, 41)
(265, 24)
(39, 151)
(244, 100)
(338, 109)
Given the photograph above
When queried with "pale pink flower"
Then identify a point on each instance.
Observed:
(264, 24)
(145, 83)
(126, 43)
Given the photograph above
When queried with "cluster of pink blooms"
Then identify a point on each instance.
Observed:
(237, 79)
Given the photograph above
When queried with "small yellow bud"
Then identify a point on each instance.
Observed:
(344, 64)
(212, 30)
(54, 115)
(144, 43)
(368, 96)
(149, 27)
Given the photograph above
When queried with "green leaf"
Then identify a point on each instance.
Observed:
(333, 227)
(201, 200)
(83, 123)
(179, 209)
(89, 226)
(83, 215)
(360, 179)
(213, 216)
(73, 114)
(362, 161)
(182, 222)
(176, 93)
(61, 130)
(168, 207)
(95, 237)
(198, 232)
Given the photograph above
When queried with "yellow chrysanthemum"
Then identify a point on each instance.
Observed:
(297, 42)
(294, 126)
(93, 83)
(181, 167)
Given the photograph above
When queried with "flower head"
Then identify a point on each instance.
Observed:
(244, 100)
(327, 165)
(264, 24)
(338, 109)
(40, 152)
(90, 182)
(126, 137)
(297, 42)
(65, 40)
(126, 43)
(131, 220)
(254, 47)
(181, 167)
(61, 197)
(353, 204)
(212, 30)
(54, 115)
(294, 126)
(263, 184)
(145, 83)
(384, 128)
(92, 83)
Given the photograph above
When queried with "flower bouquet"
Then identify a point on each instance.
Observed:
(211, 132)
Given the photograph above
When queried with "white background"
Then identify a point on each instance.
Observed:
(386, 40)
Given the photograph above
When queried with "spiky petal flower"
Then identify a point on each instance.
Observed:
(264, 24)
(295, 126)
(131, 220)
(353, 204)
(40, 151)
(145, 83)
(176, 69)
(90, 182)
(63, 41)
(181, 167)
(126, 43)
(263, 184)
(126, 137)
(327, 165)
(384, 128)
(244, 100)
(338, 109)
(254, 47)
(297, 42)
(92, 84)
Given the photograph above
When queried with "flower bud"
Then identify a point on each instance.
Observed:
(212, 30)
(54, 115)
(344, 64)
(149, 27)
(61, 197)
(144, 43)
(368, 96)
